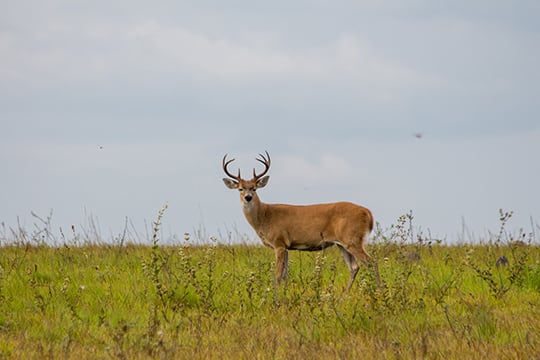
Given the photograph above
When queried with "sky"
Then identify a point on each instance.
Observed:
(109, 110)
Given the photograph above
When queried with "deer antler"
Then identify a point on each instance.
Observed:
(266, 162)
(226, 163)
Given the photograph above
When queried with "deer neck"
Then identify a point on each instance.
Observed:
(254, 212)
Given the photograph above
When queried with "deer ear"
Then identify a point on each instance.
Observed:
(262, 182)
(231, 184)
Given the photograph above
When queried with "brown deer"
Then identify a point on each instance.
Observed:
(309, 227)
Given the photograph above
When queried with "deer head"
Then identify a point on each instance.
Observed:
(247, 188)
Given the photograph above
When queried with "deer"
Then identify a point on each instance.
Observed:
(284, 227)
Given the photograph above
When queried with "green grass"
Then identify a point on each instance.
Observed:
(215, 301)
(220, 302)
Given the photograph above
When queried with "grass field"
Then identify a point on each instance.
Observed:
(219, 301)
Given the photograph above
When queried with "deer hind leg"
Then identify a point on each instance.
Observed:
(282, 264)
(351, 263)
(360, 254)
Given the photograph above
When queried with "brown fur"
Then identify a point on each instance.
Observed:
(308, 227)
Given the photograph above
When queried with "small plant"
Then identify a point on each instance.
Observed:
(43, 234)
(37, 281)
(499, 273)
(204, 282)
(160, 305)
(157, 261)
(316, 279)
(2, 296)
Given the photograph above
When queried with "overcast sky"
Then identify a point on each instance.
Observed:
(111, 109)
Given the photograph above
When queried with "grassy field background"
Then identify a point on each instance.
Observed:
(436, 301)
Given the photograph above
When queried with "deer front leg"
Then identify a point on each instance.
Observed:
(282, 257)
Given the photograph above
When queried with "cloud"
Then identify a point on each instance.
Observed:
(101, 52)
(325, 169)
(346, 58)
(185, 50)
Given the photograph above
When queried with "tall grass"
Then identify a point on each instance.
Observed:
(219, 301)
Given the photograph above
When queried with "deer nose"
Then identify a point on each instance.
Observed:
(248, 198)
